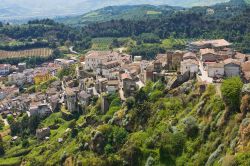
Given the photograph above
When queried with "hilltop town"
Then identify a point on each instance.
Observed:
(133, 85)
(107, 72)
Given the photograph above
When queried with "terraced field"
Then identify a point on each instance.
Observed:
(39, 52)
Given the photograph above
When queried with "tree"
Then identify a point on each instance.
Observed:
(2, 151)
(1, 124)
(25, 143)
(130, 102)
(231, 90)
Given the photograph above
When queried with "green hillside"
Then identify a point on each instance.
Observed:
(137, 12)
(177, 128)
(142, 12)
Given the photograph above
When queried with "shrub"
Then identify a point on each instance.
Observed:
(108, 149)
(155, 95)
(166, 155)
(190, 126)
(231, 90)
(25, 143)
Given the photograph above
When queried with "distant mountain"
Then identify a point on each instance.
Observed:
(15, 9)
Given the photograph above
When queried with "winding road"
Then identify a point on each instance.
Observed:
(71, 49)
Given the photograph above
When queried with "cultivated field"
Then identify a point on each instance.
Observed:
(39, 52)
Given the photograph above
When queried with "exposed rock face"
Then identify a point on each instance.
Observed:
(244, 133)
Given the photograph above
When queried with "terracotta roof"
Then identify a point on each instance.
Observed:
(69, 92)
(190, 61)
(230, 60)
(207, 51)
(215, 64)
(100, 54)
(161, 56)
(214, 43)
(111, 63)
(246, 66)
(247, 75)
(189, 55)
(4, 65)
(125, 76)
(241, 56)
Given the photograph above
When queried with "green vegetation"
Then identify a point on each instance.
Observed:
(108, 43)
(69, 71)
(150, 128)
(151, 12)
(101, 43)
(10, 161)
(172, 43)
(138, 12)
(231, 91)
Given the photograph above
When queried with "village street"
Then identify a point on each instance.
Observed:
(204, 75)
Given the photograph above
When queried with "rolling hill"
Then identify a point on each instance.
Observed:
(13, 9)
(136, 12)
(140, 12)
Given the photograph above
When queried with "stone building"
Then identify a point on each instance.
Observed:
(232, 67)
(128, 85)
(71, 100)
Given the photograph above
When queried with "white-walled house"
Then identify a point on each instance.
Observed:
(96, 58)
(189, 65)
(215, 69)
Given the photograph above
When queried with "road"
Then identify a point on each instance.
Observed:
(204, 75)
(72, 51)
